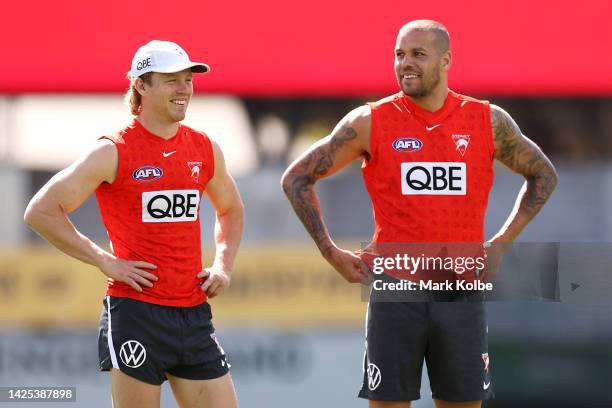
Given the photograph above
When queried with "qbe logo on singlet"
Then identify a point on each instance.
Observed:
(430, 178)
(170, 205)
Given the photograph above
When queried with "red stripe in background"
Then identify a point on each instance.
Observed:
(314, 48)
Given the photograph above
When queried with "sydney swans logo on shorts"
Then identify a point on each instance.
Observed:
(407, 144)
(485, 360)
(374, 376)
(133, 354)
(147, 173)
(429, 178)
(170, 206)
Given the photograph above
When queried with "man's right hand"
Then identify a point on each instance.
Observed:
(131, 272)
(349, 265)
(494, 252)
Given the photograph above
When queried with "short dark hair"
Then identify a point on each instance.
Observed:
(441, 33)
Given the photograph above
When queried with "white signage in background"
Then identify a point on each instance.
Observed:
(49, 132)
(14, 183)
(279, 367)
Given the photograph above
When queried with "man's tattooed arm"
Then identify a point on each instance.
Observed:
(522, 156)
(348, 141)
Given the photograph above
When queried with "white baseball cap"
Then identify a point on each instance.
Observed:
(164, 57)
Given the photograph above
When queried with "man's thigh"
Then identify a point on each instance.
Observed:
(215, 393)
(129, 392)
(457, 354)
(396, 342)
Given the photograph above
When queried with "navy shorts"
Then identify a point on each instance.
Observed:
(451, 337)
(146, 341)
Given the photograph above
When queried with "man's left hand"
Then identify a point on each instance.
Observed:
(215, 280)
(494, 253)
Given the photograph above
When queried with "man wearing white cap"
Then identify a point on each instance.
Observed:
(149, 179)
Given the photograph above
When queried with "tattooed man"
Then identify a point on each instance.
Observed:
(428, 167)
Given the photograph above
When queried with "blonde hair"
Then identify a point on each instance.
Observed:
(132, 97)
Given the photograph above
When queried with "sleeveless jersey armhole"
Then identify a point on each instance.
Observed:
(487, 119)
(120, 174)
(209, 155)
(373, 136)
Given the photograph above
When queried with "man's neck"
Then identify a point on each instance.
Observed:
(153, 124)
(433, 101)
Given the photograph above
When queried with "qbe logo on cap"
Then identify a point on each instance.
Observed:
(164, 57)
(144, 63)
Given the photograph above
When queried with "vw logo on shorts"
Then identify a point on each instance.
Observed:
(374, 377)
(132, 353)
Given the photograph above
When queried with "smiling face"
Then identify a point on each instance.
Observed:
(422, 60)
(168, 95)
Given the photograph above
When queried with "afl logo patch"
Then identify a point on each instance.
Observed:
(147, 173)
(407, 144)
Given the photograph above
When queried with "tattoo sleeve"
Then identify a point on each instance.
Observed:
(298, 182)
(522, 156)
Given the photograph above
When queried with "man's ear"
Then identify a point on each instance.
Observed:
(447, 59)
(140, 86)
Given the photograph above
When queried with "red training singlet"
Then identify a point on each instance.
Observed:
(430, 173)
(151, 210)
